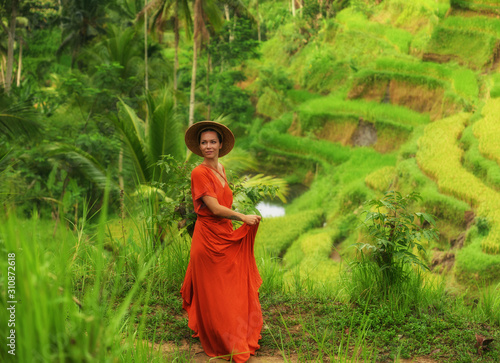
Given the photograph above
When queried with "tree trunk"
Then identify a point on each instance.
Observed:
(10, 46)
(196, 35)
(193, 82)
(293, 8)
(209, 66)
(20, 63)
(146, 80)
(258, 21)
(121, 183)
(176, 57)
(2, 70)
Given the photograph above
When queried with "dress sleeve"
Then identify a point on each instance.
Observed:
(201, 186)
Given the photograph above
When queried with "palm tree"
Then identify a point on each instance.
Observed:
(146, 140)
(11, 8)
(178, 10)
(17, 119)
(119, 47)
(204, 10)
(82, 20)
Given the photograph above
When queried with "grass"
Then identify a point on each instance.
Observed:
(312, 323)
(471, 48)
(477, 23)
(487, 130)
(484, 168)
(480, 6)
(462, 80)
(276, 235)
(440, 157)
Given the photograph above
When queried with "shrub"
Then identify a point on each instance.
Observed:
(395, 233)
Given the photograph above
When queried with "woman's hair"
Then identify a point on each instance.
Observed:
(209, 129)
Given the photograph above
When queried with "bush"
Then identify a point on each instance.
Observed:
(395, 233)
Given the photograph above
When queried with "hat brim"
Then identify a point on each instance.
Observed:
(191, 137)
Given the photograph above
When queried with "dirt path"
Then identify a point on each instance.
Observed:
(195, 351)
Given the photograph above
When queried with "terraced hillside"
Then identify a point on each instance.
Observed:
(386, 95)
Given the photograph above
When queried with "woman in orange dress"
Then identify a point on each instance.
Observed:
(220, 289)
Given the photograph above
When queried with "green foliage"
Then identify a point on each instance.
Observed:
(395, 233)
(236, 42)
(468, 47)
(481, 6)
(381, 179)
(462, 80)
(486, 169)
(319, 70)
(370, 111)
(277, 234)
(362, 41)
(495, 89)
(472, 265)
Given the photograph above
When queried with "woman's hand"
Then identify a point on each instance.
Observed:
(251, 219)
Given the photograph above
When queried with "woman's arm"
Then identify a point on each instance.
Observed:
(224, 212)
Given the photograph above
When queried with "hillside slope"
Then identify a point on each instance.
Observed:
(385, 95)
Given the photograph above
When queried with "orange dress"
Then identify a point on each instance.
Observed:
(220, 289)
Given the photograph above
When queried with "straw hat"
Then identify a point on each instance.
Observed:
(193, 133)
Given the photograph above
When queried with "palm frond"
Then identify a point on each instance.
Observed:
(82, 161)
(17, 119)
(164, 127)
(133, 133)
(239, 160)
(269, 181)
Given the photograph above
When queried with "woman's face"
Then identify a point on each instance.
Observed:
(209, 144)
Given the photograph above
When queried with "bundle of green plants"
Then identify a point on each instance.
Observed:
(471, 48)
(393, 234)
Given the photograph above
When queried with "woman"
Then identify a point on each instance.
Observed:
(220, 289)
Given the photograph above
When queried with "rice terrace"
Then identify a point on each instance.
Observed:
(374, 125)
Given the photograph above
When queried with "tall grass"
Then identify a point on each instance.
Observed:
(83, 297)
(52, 324)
